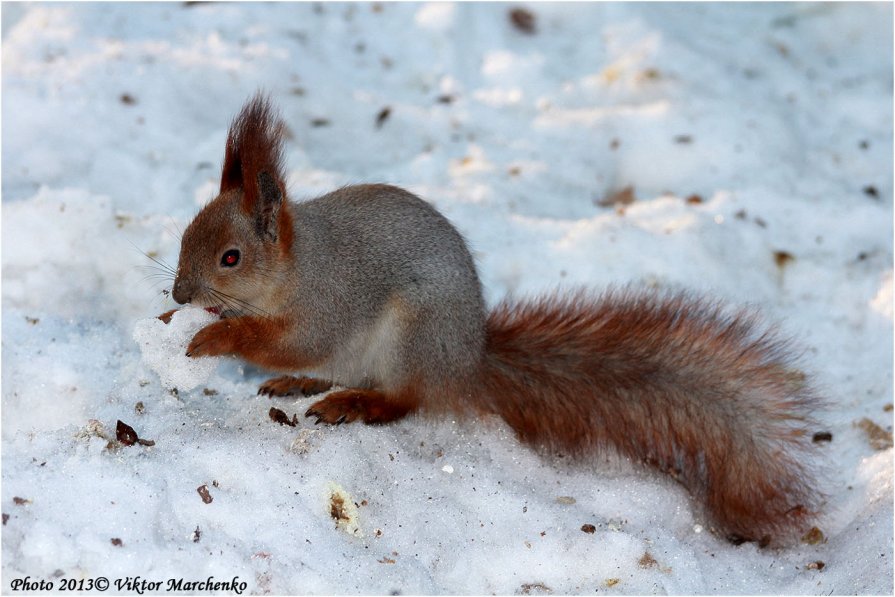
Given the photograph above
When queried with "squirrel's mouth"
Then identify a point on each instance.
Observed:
(221, 312)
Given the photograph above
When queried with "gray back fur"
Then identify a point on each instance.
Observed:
(392, 285)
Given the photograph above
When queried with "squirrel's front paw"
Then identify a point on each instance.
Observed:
(167, 315)
(215, 339)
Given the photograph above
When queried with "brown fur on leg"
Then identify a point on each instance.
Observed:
(369, 406)
(258, 340)
(289, 385)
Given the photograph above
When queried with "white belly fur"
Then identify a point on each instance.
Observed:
(371, 357)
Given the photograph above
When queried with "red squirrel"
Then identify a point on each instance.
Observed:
(373, 288)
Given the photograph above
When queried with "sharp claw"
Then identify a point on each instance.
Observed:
(341, 419)
(188, 353)
(317, 422)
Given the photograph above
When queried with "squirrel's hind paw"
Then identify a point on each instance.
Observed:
(288, 385)
(369, 406)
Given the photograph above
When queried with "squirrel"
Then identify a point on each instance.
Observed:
(372, 286)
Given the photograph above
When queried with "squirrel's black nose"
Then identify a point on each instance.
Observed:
(180, 292)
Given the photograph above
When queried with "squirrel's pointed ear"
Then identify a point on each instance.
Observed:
(253, 164)
(254, 145)
(267, 208)
(231, 173)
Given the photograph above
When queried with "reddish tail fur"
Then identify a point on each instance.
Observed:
(671, 382)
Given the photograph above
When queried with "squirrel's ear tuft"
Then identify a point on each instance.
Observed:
(254, 146)
(267, 210)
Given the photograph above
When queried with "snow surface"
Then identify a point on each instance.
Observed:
(777, 116)
(164, 348)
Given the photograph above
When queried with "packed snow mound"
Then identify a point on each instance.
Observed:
(163, 347)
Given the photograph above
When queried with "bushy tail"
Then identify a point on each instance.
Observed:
(670, 381)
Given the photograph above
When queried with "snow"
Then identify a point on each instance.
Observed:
(777, 116)
(163, 347)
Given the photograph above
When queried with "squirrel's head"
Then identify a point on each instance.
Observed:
(231, 251)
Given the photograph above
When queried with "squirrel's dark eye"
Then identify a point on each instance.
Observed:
(230, 258)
